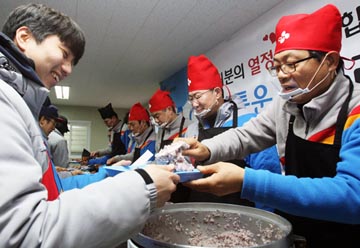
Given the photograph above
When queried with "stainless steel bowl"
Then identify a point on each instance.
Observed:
(195, 224)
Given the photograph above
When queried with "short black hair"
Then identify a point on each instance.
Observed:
(44, 21)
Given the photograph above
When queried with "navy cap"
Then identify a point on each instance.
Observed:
(50, 112)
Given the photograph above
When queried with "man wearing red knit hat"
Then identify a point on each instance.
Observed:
(171, 125)
(216, 115)
(143, 136)
(316, 125)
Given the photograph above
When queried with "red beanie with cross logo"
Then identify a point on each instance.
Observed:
(160, 100)
(138, 113)
(202, 74)
(319, 31)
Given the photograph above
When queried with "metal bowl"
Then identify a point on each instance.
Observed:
(196, 224)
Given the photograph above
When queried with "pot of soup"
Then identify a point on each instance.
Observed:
(203, 224)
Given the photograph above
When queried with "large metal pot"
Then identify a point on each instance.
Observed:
(214, 225)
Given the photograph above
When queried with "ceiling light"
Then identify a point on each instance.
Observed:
(62, 92)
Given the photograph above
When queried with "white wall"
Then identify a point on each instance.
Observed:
(98, 135)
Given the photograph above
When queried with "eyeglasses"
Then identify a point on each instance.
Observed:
(197, 96)
(286, 68)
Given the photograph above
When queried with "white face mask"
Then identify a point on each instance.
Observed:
(289, 95)
(139, 129)
(152, 121)
(135, 134)
(163, 125)
(298, 92)
(203, 113)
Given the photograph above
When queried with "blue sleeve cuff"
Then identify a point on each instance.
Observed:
(101, 160)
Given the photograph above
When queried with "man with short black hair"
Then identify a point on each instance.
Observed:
(39, 47)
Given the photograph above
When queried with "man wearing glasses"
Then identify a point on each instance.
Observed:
(216, 115)
(316, 126)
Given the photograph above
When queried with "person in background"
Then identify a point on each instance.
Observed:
(142, 133)
(85, 157)
(171, 125)
(84, 163)
(316, 126)
(216, 115)
(116, 146)
(65, 179)
(58, 144)
(48, 120)
(125, 132)
(34, 58)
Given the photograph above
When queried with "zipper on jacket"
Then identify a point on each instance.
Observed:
(7, 66)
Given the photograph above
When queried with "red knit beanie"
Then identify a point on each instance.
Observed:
(160, 100)
(319, 31)
(138, 113)
(202, 74)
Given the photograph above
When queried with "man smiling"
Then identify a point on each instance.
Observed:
(39, 47)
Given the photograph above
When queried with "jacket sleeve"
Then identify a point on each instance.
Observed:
(102, 214)
(267, 159)
(255, 135)
(80, 181)
(333, 199)
(105, 151)
(60, 154)
(127, 156)
(99, 160)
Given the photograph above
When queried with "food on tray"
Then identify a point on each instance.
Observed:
(171, 154)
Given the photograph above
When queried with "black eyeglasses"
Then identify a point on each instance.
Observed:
(286, 68)
(197, 96)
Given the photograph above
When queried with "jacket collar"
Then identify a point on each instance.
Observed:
(141, 138)
(318, 106)
(22, 63)
(175, 124)
(19, 73)
(223, 114)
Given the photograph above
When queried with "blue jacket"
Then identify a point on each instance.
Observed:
(80, 181)
(267, 159)
(328, 198)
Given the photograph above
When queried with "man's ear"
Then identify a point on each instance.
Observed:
(42, 121)
(22, 36)
(333, 59)
(218, 93)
